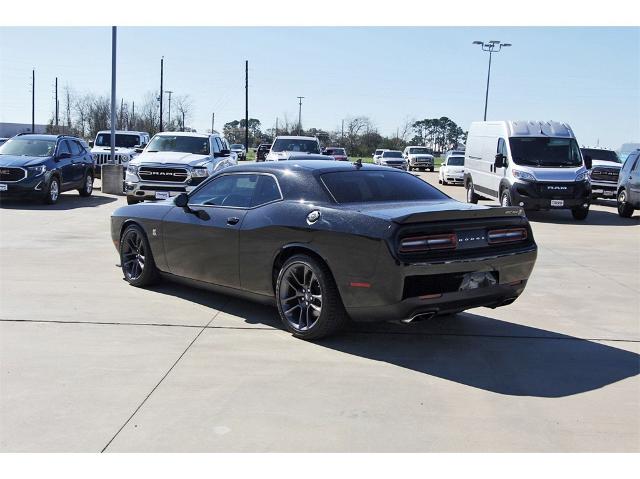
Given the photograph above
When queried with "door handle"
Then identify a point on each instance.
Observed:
(233, 220)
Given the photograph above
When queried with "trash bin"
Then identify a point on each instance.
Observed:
(112, 182)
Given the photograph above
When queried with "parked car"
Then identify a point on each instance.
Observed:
(339, 154)
(283, 146)
(43, 166)
(629, 185)
(174, 163)
(239, 150)
(533, 164)
(419, 158)
(128, 145)
(392, 158)
(604, 168)
(327, 240)
(376, 156)
(452, 170)
(263, 151)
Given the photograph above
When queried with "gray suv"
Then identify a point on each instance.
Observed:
(629, 185)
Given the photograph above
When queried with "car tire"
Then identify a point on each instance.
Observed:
(308, 299)
(53, 191)
(472, 197)
(505, 198)
(431, 170)
(625, 210)
(580, 213)
(87, 187)
(136, 258)
(132, 201)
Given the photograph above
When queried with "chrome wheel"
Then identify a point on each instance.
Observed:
(133, 255)
(300, 296)
(54, 190)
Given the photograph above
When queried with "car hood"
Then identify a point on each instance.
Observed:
(107, 149)
(392, 159)
(282, 155)
(170, 157)
(608, 164)
(423, 156)
(424, 211)
(21, 161)
(454, 169)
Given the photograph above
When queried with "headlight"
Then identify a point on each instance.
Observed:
(133, 169)
(37, 170)
(199, 172)
(582, 176)
(523, 175)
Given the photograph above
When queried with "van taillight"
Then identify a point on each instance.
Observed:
(510, 235)
(428, 243)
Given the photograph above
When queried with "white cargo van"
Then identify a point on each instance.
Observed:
(533, 164)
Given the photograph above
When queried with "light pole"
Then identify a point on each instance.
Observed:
(300, 114)
(492, 46)
(169, 92)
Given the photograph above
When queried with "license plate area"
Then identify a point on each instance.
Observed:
(4, 187)
(557, 203)
(162, 195)
(479, 279)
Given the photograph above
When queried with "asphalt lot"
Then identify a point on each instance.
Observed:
(89, 363)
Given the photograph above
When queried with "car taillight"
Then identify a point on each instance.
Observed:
(510, 235)
(428, 243)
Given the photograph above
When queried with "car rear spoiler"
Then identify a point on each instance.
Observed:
(470, 214)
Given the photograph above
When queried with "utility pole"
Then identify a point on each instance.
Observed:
(132, 118)
(57, 131)
(169, 112)
(343, 129)
(161, 87)
(213, 120)
(276, 126)
(300, 114)
(493, 46)
(246, 105)
(112, 158)
(33, 101)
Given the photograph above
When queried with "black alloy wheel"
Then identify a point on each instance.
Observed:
(136, 259)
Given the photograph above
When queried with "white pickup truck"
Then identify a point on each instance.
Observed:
(174, 163)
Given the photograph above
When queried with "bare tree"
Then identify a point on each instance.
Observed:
(184, 109)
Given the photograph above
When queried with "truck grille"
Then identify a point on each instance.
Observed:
(103, 158)
(605, 174)
(12, 174)
(556, 190)
(175, 175)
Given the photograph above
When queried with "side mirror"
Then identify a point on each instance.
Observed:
(139, 150)
(91, 143)
(500, 161)
(588, 163)
(181, 200)
(222, 153)
(63, 155)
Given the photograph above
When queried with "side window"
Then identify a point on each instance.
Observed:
(76, 149)
(502, 147)
(266, 191)
(217, 145)
(63, 147)
(636, 163)
(227, 190)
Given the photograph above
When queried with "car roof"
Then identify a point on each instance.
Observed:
(128, 132)
(392, 151)
(296, 138)
(187, 133)
(320, 166)
(43, 136)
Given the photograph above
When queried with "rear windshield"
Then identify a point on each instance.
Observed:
(361, 186)
(455, 161)
(603, 155)
(295, 144)
(391, 154)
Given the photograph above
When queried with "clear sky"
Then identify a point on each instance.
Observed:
(588, 77)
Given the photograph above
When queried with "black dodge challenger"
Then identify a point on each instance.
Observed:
(327, 241)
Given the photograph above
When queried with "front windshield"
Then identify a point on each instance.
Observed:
(545, 152)
(182, 144)
(237, 147)
(419, 151)
(455, 161)
(122, 140)
(28, 147)
(297, 145)
(392, 154)
(603, 155)
(335, 151)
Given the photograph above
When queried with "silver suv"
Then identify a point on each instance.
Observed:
(629, 185)
(174, 163)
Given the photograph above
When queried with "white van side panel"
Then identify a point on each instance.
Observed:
(482, 147)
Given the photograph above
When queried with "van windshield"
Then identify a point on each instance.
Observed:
(545, 152)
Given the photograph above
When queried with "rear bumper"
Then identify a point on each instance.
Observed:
(529, 195)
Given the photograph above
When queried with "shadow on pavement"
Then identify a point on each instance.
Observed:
(470, 349)
(67, 201)
(595, 218)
